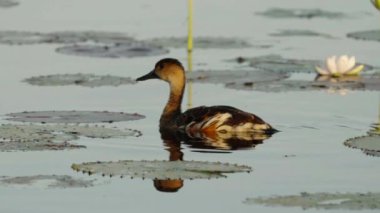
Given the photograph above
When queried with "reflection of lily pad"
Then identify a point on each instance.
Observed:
(300, 13)
(164, 170)
(227, 76)
(368, 144)
(304, 33)
(53, 137)
(49, 181)
(114, 50)
(8, 3)
(347, 201)
(65, 37)
(201, 42)
(87, 80)
(370, 35)
(73, 116)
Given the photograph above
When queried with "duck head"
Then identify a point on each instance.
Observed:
(167, 69)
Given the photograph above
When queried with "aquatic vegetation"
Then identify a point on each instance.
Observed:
(50, 181)
(376, 3)
(304, 33)
(346, 201)
(86, 80)
(300, 13)
(54, 137)
(338, 66)
(370, 35)
(73, 116)
(369, 144)
(161, 170)
(201, 42)
(8, 3)
(228, 76)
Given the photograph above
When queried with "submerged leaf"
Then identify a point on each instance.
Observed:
(300, 13)
(201, 42)
(73, 116)
(164, 170)
(307, 33)
(8, 3)
(347, 201)
(86, 80)
(370, 35)
(50, 181)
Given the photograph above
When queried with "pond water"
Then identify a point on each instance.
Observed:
(308, 154)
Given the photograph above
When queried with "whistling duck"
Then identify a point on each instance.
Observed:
(203, 119)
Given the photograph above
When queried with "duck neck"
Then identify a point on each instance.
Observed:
(173, 106)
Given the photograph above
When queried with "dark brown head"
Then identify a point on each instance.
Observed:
(167, 69)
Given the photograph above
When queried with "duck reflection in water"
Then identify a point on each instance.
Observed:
(211, 128)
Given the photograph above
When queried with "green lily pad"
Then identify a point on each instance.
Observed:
(303, 33)
(8, 3)
(161, 170)
(49, 181)
(370, 35)
(201, 42)
(300, 13)
(119, 50)
(73, 116)
(369, 144)
(346, 201)
(228, 76)
(86, 80)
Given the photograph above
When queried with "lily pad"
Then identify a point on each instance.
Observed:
(370, 35)
(73, 116)
(304, 33)
(120, 50)
(201, 42)
(162, 170)
(86, 80)
(53, 137)
(8, 3)
(49, 181)
(369, 144)
(300, 13)
(239, 76)
(346, 201)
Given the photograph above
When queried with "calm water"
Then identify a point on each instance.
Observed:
(314, 125)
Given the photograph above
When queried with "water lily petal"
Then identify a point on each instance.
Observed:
(331, 64)
(342, 64)
(321, 71)
(356, 70)
(350, 64)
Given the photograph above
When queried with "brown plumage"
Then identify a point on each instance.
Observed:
(203, 121)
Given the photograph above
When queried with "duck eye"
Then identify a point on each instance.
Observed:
(160, 66)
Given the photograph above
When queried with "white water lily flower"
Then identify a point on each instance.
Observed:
(338, 66)
(376, 3)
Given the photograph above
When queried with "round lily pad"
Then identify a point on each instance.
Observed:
(120, 50)
(8, 3)
(73, 116)
(50, 181)
(21, 37)
(370, 35)
(86, 80)
(236, 76)
(163, 170)
(344, 201)
(42, 145)
(302, 33)
(300, 13)
(201, 42)
(368, 144)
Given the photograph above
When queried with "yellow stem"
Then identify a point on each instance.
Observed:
(190, 27)
(190, 54)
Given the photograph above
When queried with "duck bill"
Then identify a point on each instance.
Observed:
(150, 75)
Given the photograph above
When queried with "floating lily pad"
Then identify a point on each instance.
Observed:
(65, 37)
(49, 181)
(370, 35)
(73, 116)
(201, 42)
(346, 201)
(127, 50)
(227, 76)
(304, 33)
(369, 144)
(300, 13)
(86, 80)
(53, 137)
(8, 3)
(163, 170)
